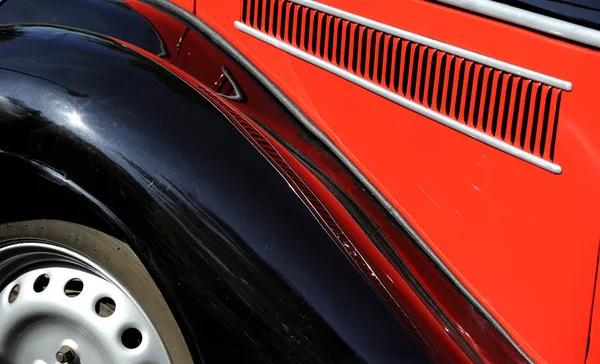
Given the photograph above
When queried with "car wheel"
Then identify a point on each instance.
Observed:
(72, 294)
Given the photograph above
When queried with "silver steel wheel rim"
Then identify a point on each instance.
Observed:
(35, 325)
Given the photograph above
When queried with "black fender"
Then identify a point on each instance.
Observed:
(109, 17)
(94, 133)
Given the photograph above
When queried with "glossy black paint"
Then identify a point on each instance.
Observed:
(583, 12)
(92, 132)
(109, 17)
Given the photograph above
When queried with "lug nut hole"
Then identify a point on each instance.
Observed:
(131, 338)
(105, 307)
(14, 292)
(41, 283)
(73, 287)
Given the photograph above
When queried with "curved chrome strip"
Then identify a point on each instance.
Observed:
(201, 27)
(392, 96)
(479, 58)
(529, 19)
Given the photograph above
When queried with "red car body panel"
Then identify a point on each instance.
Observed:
(593, 355)
(523, 240)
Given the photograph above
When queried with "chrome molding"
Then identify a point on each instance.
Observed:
(529, 19)
(409, 104)
(476, 57)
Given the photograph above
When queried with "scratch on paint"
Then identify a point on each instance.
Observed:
(476, 188)
(441, 196)
(430, 199)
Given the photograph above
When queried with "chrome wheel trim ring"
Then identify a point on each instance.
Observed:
(35, 325)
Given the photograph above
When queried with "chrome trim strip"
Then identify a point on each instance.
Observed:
(529, 19)
(442, 119)
(520, 71)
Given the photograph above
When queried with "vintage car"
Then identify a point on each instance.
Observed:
(298, 181)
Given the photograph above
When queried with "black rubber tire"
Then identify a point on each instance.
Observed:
(118, 259)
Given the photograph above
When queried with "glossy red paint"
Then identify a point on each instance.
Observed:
(170, 32)
(524, 241)
(593, 347)
(188, 5)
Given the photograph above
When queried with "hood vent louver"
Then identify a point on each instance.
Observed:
(518, 111)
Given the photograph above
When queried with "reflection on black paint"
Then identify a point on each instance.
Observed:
(583, 12)
(109, 17)
(249, 272)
